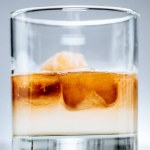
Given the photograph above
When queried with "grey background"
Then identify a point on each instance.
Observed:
(142, 6)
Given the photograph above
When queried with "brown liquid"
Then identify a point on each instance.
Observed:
(79, 90)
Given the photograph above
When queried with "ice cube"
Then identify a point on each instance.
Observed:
(64, 61)
(35, 87)
(83, 90)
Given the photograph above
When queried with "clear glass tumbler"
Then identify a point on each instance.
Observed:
(74, 78)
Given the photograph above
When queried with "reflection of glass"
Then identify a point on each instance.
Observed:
(75, 75)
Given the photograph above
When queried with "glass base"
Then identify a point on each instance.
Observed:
(88, 142)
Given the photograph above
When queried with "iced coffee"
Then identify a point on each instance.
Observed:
(67, 97)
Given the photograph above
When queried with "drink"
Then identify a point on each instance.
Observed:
(74, 78)
(74, 103)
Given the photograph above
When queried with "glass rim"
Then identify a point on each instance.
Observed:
(130, 15)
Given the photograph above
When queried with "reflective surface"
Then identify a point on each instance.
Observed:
(103, 142)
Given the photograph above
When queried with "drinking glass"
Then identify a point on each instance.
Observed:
(74, 78)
